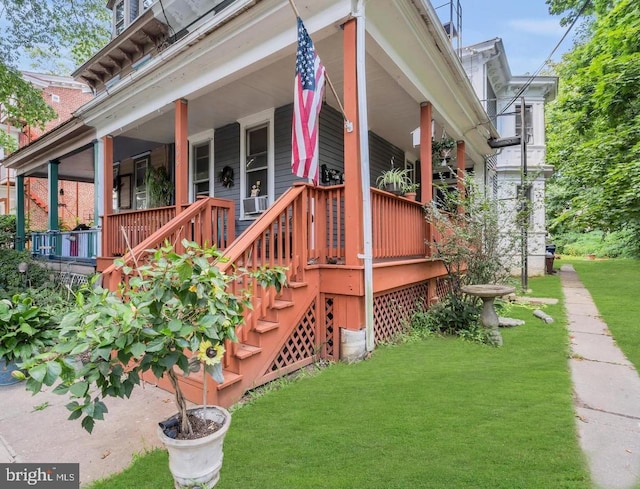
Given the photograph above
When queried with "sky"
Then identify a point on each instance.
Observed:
(529, 33)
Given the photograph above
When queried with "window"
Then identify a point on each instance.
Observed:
(257, 172)
(118, 17)
(140, 167)
(126, 12)
(256, 168)
(201, 159)
(528, 114)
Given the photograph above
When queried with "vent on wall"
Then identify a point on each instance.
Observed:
(55, 98)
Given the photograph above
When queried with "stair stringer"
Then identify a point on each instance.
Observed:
(244, 374)
(254, 369)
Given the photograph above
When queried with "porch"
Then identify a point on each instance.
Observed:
(304, 231)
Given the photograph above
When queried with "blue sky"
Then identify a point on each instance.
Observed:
(528, 31)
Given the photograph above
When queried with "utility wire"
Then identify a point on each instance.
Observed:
(532, 77)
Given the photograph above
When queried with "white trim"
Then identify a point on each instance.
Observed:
(197, 140)
(266, 116)
(140, 155)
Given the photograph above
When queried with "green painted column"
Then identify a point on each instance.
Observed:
(54, 227)
(53, 195)
(20, 217)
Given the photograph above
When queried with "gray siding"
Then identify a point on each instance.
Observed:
(331, 144)
(331, 139)
(226, 152)
(380, 154)
(284, 178)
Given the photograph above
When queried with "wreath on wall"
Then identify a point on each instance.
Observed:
(226, 177)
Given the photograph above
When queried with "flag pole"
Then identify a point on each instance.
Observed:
(348, 124)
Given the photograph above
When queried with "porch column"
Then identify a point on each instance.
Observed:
(353, 227)
(182, 155)
(107, 207)
(53, 195)
(460, 165)
(20, 217)
(426, 164)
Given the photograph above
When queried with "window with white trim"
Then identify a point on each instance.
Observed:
(257, 168)
(201, 163)
(127, 11)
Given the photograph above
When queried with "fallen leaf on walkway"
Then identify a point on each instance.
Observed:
(582, 418)
(106, 454)
(627, 450)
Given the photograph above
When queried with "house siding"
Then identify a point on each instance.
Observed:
(381, 153)
(226, 152)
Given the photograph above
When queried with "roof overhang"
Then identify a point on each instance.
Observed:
(55, 145)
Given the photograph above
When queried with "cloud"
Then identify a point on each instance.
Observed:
(542, 27)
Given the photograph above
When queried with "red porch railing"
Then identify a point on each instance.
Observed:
(126, 230)
(208, 221)
(399, 227)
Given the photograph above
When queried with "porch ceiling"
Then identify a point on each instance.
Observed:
(77, 167)
(393, 113)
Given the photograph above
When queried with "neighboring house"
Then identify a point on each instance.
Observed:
(76, 199)
(204, 91)
(488, 69)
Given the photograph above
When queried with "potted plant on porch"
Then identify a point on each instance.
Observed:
(175, 315)
(394, 180)
(442, 149)
(411, 190)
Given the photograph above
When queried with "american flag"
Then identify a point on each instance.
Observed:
(309, 89)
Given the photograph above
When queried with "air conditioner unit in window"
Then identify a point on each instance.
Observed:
(255, 205)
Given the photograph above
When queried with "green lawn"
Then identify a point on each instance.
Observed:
(438, 413)
(612, 284)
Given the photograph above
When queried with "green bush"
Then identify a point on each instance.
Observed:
(618, 244)
(452, 316)
(26, 329)
(7, 230)
(12, 281)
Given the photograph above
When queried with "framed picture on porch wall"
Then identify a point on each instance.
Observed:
(124, 196)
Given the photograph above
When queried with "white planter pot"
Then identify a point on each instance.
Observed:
(197, 463)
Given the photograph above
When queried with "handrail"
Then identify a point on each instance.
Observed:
(213, 220)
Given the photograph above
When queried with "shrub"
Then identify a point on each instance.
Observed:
(25, 328)
(11, 280)
(7, 230)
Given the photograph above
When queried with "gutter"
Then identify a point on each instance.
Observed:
(363, 127)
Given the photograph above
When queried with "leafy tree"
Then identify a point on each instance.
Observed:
(594, 127)
(48, 30)
(571, 8)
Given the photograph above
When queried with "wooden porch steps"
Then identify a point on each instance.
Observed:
(245, 351)
(266, 326)
(230, 378)
(280, 304)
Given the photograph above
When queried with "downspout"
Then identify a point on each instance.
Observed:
(363, 126)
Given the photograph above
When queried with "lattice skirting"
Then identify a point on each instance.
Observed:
(443, 287)
(329, 316)
(301, 344)
(391, 310)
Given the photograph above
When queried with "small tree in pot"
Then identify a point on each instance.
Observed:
(176, 313)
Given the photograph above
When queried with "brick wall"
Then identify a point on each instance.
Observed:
(69, 101)
(75, 207)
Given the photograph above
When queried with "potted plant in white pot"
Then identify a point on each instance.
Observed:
(394, 180)
(176, 314)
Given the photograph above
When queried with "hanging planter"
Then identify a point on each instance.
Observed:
(443, 150)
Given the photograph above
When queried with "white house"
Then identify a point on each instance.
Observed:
(501, 93)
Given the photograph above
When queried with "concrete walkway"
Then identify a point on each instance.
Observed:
(606, 391)
(29, 434)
